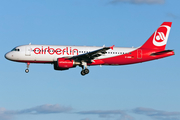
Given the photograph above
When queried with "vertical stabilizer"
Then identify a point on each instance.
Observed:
(159, 38)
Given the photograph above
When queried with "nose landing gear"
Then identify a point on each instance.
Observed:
(27, 70)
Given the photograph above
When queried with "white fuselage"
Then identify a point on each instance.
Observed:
(50, 53)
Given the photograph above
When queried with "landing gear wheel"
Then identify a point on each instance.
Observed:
(27, 70)
(83, 73)
(86, 71)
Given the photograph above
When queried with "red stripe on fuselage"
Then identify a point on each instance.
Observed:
(31, 61)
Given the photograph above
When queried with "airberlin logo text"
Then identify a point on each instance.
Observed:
(58, 51)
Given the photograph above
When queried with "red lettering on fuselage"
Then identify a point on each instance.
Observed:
(37, 51)
(45, 50)
(50, 50)
(58, 51)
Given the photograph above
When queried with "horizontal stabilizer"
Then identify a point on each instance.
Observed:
(161, 52)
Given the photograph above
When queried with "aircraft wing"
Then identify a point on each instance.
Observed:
(91, 55)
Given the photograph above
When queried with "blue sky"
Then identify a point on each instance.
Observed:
(145, 91)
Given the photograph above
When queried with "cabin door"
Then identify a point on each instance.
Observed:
(28, 51)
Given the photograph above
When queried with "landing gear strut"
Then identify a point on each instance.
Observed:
(27, 70)
(84, 71)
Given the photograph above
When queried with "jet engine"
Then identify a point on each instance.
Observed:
(64, 64)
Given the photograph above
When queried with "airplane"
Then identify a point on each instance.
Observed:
(65, 57)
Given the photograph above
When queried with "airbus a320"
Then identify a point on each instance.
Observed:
(66, 57)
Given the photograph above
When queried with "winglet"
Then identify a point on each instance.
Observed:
(112, 47)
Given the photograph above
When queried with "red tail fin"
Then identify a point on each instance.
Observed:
(159, 38)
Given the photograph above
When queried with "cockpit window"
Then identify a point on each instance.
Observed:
(15, 49)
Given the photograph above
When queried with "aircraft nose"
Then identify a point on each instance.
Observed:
(7, 56)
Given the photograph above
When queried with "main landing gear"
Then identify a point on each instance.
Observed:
(27, 70)
(84, 71)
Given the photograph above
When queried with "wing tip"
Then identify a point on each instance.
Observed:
(112, 47)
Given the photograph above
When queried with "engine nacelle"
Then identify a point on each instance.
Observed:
(64, 64)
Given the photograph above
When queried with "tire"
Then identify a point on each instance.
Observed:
(86, 71)
(27, 70)
(83, 73)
